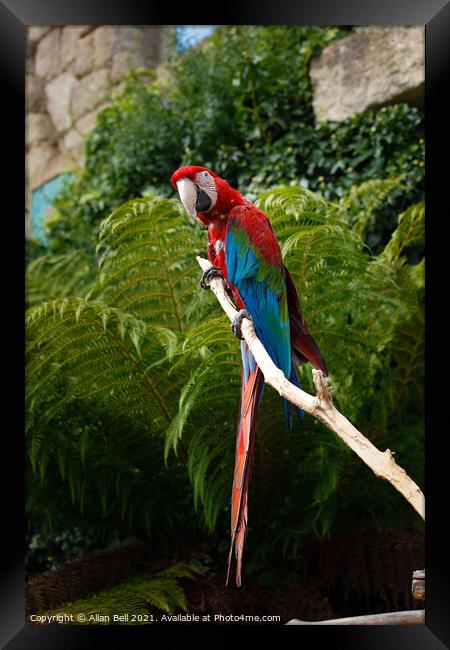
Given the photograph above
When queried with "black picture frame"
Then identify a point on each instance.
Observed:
(15, 16)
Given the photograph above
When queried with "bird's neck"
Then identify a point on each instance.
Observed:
(227, 199)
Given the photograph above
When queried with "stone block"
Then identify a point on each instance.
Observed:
(39, 129)
(59, 95)
(84, 29)
(30, 66)
(121, 63)
(104, 43)
(372, 68)
(35, 95)
(90, 92)
(85, 57)
(70, 44)
(37, 162)
(34, 34)
(72, 140)
(48, 63)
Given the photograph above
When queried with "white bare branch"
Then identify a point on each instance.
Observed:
(321, 406)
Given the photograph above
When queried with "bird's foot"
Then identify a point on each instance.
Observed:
(212, 272)
(237, 322)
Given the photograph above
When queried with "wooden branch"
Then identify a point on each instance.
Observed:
(409, 617)
(321, 406)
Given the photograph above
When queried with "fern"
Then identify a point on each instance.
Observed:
(136, 596)
(360, 204)
(58, 276)
(147, 262)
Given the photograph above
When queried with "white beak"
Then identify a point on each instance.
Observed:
(188, 196)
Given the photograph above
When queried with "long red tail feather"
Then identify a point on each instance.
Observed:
(245, 439)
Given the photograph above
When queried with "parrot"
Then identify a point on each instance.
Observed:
(245, 253)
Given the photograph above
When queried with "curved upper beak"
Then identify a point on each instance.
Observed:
(188, 196)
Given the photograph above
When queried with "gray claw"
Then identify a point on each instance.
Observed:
(236, 324)
(212, 272)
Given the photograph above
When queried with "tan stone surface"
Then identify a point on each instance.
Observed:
(71, 140)
(48, 55)
(39, 129)
(90, 92)
(85, 57)
(371, 68)
(35, 34)
(43, 163)
(120, 65)
(104, 39)
(35, 95)
(59, 96)
(37, 162)
(70, 46)
(30, 67)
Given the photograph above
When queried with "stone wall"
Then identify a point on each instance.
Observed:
(72, 73)
(369, 69)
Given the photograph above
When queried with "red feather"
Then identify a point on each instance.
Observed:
(245, 441)
(303, 344)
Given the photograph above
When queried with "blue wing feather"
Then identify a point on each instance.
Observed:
(262, 298)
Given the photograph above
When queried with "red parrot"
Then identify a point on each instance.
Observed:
(243, 249)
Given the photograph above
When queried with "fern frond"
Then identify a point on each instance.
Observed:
(358, 206)
(136, 596)
(410, 231)
(147, 262)
(58, 276)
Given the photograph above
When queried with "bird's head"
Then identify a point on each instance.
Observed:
(204, 194)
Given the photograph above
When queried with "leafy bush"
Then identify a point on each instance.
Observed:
(241, 104)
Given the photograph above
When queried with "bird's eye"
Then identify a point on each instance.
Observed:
(205, 174)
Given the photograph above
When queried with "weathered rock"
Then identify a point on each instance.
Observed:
(48, 55)
(134, 47)
(70, 44)
(72, 140)
(59, 95)
(85, 57)
(37, 162)
(35, 95)
(90, 92)
(120, 65)
(39, 129)
(34, 34)
(372, 68)
(84, 29)
(30, 66)
(104, 40)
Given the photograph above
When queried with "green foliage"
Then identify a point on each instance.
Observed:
(58, 276)
(241, 104)
(141, 367)
(135, 144)
(138, 597)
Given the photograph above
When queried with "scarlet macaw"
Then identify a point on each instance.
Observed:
(243, 249)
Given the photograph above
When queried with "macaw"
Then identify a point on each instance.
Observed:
(244, 251)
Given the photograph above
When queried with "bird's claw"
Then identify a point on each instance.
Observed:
(237, 322)
(212, 272)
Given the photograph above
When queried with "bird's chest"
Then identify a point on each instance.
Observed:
(216, 234)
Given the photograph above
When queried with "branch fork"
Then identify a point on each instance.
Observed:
(321, 405)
